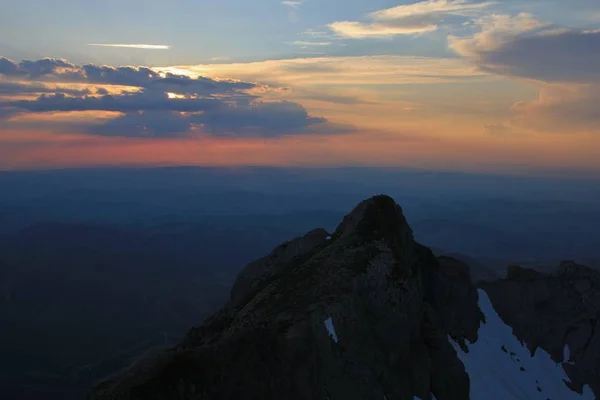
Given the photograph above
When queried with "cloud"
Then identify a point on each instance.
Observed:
(133, 46)
(359, 30)
(498, 129)
(410, 19)
(7, 112)
(33, 69)
(563, 62)
(316, 34)
(8, 88)
(264, 120)
(164, 105)
(54, 70)
(145, 124)
(8, 67)
(140, 101)
(149, 79)
(293, 4)
(257, 119)
(330, 98)
(354, 71)
(293, 9)
(561, 108)
(434, 9)
(305, 43)
(524, 47)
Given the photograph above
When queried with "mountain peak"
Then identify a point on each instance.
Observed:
(374, 218)
(368, 313)
(365, 313)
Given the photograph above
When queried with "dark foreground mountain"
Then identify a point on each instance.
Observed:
(363, 313)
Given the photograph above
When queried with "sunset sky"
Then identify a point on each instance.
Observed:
(476, 86)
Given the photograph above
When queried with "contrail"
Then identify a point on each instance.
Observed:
(133, 46)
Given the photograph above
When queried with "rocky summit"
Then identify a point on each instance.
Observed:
(366, 312)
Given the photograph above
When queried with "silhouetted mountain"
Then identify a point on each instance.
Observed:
(103, 284)
(363, 313)
(389, 300)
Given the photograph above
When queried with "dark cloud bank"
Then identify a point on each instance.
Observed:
(569, 56)
(209, 106)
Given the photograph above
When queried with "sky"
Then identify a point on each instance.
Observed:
(510, 86)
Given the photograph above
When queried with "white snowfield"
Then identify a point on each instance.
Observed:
(500, 368)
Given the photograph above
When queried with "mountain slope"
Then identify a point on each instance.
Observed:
(500, 367)
(390, 302)
(558, 313)
(363, 313)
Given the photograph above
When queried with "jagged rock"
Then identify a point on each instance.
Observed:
(256, 274)
(456, 298)
(392, 305)
(583, 285)
(551, 311)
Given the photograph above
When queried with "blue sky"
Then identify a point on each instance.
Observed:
(200, 30)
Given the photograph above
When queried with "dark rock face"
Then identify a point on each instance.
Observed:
(392, 304)
(256, 274)
(551, 311)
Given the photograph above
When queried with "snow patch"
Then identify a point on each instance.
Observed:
(328, 238)
(500, 367)
(567, 355)
(331, 329)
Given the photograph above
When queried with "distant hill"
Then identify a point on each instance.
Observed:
(79, 301)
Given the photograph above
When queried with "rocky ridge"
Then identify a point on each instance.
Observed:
(558, 313)
(392, 305)
(365, 312)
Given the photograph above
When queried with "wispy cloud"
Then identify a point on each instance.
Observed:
(293, 9)
(133, 46)
(367, 70)
(293, 4)
(305, 43)
(359, 30)
(498, 129)
(410, 19)
(431, 8)
(316, 34)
